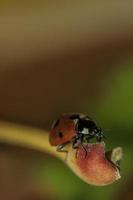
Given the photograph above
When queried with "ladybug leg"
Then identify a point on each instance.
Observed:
(85, 150)
(60, 147)
(79, 141)
(75, 144)
(100, 137)
(88, 138)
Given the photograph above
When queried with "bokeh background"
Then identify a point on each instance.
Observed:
(65, 56)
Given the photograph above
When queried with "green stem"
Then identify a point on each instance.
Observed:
(28, 137)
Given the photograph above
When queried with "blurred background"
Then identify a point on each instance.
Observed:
(65, 56)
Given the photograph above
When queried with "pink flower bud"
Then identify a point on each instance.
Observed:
(94, 167)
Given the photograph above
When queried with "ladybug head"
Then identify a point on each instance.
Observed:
(97, 133)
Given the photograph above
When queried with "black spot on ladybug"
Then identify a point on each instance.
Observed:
(60, 134)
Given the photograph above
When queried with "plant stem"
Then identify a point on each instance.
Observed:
(28, 137)
(89, 169)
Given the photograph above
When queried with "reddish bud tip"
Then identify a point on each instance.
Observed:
(94, 167)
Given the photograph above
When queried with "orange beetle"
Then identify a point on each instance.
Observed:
(75, 128)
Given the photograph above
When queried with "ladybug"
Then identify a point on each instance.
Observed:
(75, 128)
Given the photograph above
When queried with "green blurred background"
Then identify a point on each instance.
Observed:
(65, 56)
